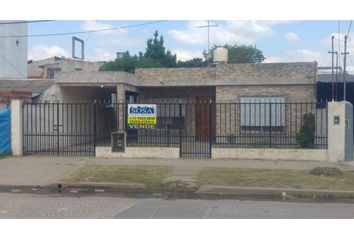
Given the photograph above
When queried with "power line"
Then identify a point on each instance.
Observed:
(13, 66)
(20, 22)
(82, 32)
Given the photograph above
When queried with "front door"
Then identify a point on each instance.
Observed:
(204, 122)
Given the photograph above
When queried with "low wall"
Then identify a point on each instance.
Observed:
(271, 154)
(139, 152)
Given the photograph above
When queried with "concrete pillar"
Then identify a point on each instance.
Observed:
(16, 128)
(340, 131)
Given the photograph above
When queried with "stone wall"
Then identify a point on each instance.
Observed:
(231, 74)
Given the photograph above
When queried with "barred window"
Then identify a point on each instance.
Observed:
(261, 113)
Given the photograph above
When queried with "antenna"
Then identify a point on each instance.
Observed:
(208, 26)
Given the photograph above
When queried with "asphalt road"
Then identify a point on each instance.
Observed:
(14, 205)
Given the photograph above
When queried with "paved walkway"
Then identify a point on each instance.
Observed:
(38, 170)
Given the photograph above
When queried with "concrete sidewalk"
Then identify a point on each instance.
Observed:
(45, 170)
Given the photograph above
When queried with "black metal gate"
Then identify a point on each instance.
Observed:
(63, 129)
(196, 141)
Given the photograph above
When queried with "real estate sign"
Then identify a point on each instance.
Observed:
(142, 116)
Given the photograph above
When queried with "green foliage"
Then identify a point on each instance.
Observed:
(156, 56)
(241, 54)
(5, 155)
(195, 62)
(306, 136)
(326, 171)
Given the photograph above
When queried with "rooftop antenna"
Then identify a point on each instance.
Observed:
(208, 26)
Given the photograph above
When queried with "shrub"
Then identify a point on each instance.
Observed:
(326, 171)
(306, 136)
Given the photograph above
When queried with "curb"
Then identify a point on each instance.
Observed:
(97, 187)
(87, 187)
(212, 191)
(204, 192)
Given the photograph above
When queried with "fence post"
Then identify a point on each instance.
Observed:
(180, 129)
(17, 127)
(210, 128)
(94, 127)
(270, 125)
(58, 125)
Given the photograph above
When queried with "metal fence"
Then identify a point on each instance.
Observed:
(193, 127)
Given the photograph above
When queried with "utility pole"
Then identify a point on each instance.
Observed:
(345, 68)
(332, 52)
(336, 93)
(208, 26)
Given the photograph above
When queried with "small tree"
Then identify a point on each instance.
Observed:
(306, 136)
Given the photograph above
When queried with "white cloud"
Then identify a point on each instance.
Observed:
(239, 32)
(292, 37)
(273, 59)
(102, 55)
(184, 55)
(110, 37)
(300, 55)
(309, 55)
(42, 51)
(91, 25)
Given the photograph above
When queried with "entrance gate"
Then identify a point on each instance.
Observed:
(62, 129)
(198, 143)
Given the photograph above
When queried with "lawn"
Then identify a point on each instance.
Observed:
(151, 176)
(299, 179)
(4, 155)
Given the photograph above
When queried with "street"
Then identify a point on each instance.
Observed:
(14, 205)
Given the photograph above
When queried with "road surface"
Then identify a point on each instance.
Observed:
(15, 205)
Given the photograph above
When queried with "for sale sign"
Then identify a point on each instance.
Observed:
(142, 115)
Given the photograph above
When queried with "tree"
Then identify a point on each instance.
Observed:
(155, 56)
(195, 62)
(242, 54)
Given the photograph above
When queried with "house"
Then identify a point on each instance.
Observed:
(48, 68)
(25, 90)
(197, 109)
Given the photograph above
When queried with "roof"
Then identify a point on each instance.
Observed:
(230, 74)
(33, 86)
(95, 78)
(328, 78)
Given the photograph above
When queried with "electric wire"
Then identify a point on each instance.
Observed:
(83, 32)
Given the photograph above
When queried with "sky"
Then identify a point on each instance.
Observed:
(280, 41)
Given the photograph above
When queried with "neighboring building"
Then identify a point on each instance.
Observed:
(21, 89)
(48, 68)
(13, 50)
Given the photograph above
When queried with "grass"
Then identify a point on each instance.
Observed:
(5, 155)
(151, 176)
(299, 179)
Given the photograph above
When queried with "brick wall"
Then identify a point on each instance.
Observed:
(228, 116)
(7, 96)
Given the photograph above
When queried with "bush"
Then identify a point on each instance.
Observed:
(326, 171)
(306, 136)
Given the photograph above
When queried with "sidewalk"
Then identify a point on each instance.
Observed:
(44, 171)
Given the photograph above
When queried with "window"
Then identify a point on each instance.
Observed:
(51, 72)
(262, 113)
(168, 113)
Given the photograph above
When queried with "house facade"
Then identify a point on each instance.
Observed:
(224, 106)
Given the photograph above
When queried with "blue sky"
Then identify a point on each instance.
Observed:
(279, 40)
